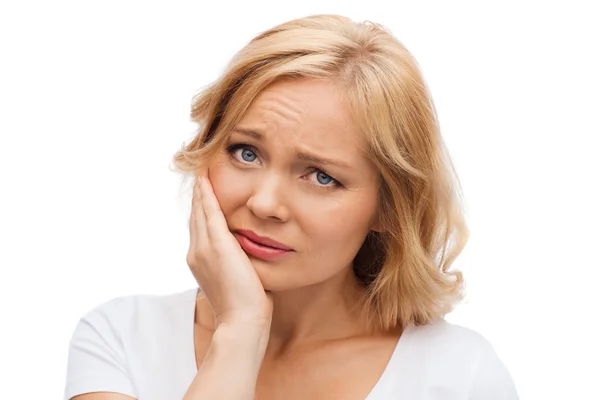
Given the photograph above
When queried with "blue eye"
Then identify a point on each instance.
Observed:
(248, 155)
(323, 178)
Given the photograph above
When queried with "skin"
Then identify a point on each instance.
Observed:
(301, 336)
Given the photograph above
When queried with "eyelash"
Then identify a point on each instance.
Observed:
(234, 147)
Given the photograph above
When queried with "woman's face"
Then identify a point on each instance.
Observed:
(293, 170)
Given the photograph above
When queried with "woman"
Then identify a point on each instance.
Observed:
(325, 218)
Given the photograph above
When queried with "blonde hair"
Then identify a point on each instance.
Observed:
(405, 267)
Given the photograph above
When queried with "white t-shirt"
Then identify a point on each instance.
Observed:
(143, 346)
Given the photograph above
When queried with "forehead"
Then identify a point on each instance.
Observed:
(305, 113)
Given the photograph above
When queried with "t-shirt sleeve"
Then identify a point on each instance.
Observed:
(492, 381)
(96, 360)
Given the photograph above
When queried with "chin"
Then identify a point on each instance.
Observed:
(274, 278)
(279, 277)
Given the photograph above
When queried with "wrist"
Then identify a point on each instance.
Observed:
(241, 341)
(244, 321)
(242, 332)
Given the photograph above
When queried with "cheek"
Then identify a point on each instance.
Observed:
(228, 187)
(341, 226)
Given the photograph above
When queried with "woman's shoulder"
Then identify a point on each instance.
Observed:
(457, 357)
(443, 333)
(441, 339)
(142, 311)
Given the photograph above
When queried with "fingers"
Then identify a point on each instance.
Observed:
(215, 222)
(197, 218)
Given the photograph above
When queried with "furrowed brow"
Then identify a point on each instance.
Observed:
(301, 155)
(318, 160)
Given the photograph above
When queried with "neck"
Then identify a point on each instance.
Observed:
(327, 310)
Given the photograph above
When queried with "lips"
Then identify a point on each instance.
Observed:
(261, 247)
(265, 241)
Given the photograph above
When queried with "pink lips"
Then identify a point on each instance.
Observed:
(261, 247)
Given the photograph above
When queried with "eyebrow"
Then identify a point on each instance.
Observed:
(249, 132)
(299, 154)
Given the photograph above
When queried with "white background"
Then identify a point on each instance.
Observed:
(95, 98)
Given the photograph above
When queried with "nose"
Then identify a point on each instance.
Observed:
(267, 200)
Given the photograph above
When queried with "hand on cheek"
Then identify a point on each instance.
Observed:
(220, 266)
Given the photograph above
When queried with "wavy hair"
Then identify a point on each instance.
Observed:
(405, 266)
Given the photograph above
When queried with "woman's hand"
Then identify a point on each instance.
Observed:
(221, 267)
